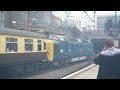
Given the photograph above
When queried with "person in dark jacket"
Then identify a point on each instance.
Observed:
(108, 61)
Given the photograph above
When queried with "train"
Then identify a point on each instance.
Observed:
(26, 51)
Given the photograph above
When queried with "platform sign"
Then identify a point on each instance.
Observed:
(116, 43)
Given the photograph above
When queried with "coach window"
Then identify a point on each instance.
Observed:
(45, 46)
(11, 44)
(28, 45)
(39, 45)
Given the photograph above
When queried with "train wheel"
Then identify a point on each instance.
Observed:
(69, 61)
(60, 63)
(19, 70)
(63, 62)
(55, 63)
(36, 67)
(50, 64)
(66, 62)
(43, 65)
(89, 57)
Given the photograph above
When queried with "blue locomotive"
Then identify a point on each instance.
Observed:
(66, 48)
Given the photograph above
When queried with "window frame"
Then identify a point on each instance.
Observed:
(10, 42)
(28, 43)
(39, 43)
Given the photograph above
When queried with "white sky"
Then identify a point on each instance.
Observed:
(80, 15)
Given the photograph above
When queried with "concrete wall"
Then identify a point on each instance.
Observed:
(19, 16)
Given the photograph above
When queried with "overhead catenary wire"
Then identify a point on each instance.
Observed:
(89, 16)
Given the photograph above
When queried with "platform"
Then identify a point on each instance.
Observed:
(87, 73)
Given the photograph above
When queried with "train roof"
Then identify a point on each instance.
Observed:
(74, 40)
(54, 36)
(8, 31)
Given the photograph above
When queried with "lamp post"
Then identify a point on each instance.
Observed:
(14, 24)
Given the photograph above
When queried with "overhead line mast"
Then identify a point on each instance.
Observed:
(90, 17)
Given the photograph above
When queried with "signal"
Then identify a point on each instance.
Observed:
(109, 27)
(112, 29)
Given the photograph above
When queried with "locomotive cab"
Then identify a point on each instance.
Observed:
(59, 47)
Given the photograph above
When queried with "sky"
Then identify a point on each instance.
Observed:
(80, 15)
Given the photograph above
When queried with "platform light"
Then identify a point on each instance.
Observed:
(14, 24)
(13, 21)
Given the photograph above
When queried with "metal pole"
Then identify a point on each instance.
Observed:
(28, 19)
(88, 16)
(10, 19)
(1, 17)
(115, 23)
(94, 19)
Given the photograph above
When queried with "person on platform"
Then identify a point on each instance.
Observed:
(108, 61)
